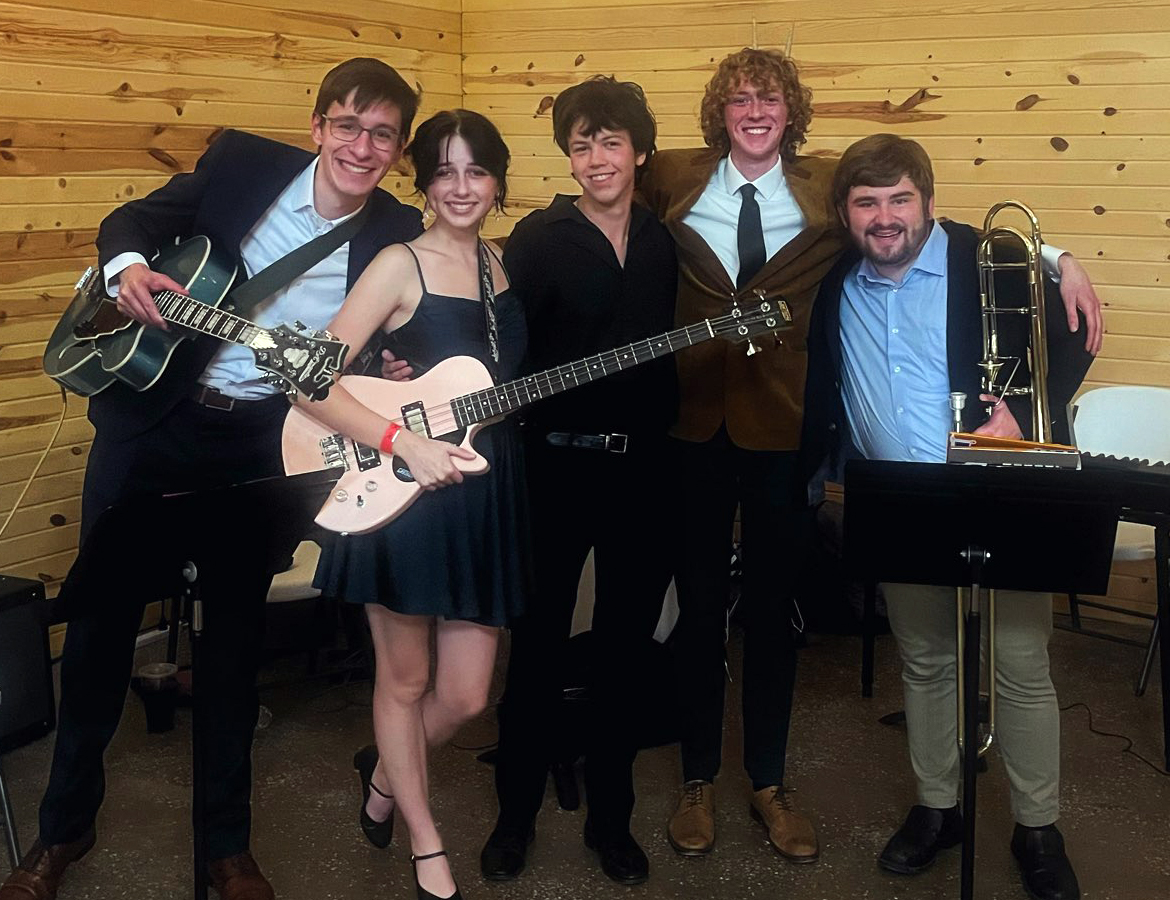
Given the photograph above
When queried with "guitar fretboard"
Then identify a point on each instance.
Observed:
(505, 398)
(190, 313)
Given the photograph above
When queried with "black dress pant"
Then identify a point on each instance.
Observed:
(617, 504)
(193, 447)
(718, 476)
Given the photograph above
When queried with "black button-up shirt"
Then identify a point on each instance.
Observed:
(579, 300)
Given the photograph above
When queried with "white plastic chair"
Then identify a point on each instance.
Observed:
(1129, 422)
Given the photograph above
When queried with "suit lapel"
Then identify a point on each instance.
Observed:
(964, 325)
(252, 204)
(706, 269)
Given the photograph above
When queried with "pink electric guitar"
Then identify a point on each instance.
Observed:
(456, 398)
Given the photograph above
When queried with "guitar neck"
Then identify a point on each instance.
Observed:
(505, 398)
(191, 313)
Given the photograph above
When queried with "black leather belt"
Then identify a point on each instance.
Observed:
(213, 399)
(614, 443)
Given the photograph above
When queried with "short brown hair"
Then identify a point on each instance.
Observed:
(604, 102)
(766, 70)
(483, 138)
(881, 160)
(371, 82)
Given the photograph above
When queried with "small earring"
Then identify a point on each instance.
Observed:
(427, 212)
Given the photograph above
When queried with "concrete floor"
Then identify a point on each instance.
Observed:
(851, 773)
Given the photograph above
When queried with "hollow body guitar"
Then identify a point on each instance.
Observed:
(456, 398)
(95, 345)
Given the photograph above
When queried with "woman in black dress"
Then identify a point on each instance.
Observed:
(455, 561)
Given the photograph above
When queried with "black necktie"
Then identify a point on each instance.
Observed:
(750, 236)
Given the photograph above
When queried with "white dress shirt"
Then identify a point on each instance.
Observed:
(715, 215)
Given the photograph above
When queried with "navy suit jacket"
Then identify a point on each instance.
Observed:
(826, 429)
(232, 186)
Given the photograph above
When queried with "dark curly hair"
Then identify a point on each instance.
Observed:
(766, 70)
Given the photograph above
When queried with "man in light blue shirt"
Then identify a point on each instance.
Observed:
(896, 328)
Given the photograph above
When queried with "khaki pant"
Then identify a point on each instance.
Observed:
(1027, 718)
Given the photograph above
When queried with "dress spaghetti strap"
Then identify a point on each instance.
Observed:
(422, 281)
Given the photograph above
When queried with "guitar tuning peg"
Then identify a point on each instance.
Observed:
(752, 349)
(299, 325)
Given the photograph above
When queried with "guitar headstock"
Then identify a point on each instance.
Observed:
(300, 359)
(745, 322)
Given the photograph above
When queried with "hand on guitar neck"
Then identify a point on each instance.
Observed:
(137, 285)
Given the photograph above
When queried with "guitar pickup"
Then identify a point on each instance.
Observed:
(414, 416)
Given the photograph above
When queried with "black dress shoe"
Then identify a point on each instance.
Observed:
(915, 845)
(377, 833)
(1044, 866)
(621, 858)
(505, 854)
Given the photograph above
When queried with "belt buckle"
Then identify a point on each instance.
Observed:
(616, 443)
(213, 399)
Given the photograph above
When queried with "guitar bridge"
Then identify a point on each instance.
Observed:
(333, 452)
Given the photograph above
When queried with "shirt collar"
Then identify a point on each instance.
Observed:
(766, 185)
(301, 195)
(931, 260)
(564, 206)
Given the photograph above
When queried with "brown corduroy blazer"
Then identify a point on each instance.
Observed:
(759, 396)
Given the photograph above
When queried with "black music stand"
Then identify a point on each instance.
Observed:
(173, 536)
(986, 527)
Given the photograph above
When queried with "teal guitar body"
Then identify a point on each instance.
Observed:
(94, 345)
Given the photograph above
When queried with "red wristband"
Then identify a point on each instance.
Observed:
(387, 445)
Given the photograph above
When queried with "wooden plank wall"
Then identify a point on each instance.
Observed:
(1060, 103)
(102, 102)
(1057, 102)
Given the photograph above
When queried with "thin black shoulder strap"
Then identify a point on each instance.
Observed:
(422, 281)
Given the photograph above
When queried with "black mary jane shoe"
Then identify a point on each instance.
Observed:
(377, 833)
(914, 846)
(1044, 867)
(423, 893)
(622, 860)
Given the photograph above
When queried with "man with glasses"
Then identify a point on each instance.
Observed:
(211, 421)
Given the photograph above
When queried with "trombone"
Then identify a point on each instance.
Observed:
(1018, 251)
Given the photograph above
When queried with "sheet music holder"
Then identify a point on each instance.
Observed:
(257, 522)
(983, 527)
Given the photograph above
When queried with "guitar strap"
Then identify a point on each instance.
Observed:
(487, 293)
(273, 277)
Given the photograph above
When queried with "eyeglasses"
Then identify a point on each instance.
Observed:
(383, 137)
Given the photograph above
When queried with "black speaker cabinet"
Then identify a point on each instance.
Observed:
(27, 710)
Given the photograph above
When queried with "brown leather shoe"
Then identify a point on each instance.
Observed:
(692, 827)
(239, 878)
(789, 832)
(39, 873)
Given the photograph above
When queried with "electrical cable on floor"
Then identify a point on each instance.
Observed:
(40, 462)
(1128, 748)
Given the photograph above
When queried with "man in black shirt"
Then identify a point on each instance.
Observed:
(593, 272)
